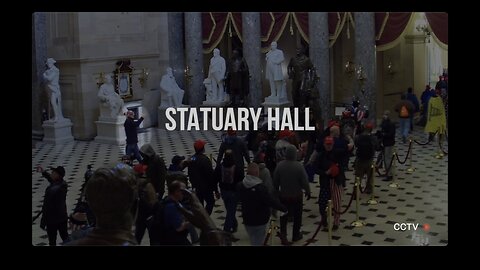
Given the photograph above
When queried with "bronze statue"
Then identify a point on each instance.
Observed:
(299, 69)
(237, 79)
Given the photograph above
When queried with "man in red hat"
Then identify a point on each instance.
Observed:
(200, 172)
(331, 179)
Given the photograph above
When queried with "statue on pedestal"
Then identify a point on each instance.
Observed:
(238, 79)
(109, 98)
(51, 75)
(172, 94)
(274, 73)
(216, 73)
(298, 69)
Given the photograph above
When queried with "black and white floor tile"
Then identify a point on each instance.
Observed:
(422, 196)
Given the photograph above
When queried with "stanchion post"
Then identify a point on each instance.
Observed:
(394, 183)
(329, 222)
(372, 200)
(273, 227)
(357, 222)
(410, 160)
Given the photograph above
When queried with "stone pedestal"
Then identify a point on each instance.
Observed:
(110, 130)
(150, 103)
(276, 101)
(58, 132)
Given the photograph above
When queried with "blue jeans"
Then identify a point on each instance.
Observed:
(230, 200)
(257, 234)
(132, 150)
(404, 127)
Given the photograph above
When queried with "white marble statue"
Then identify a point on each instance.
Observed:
(172, 94)
(216, 73)
(274, 73)
(109, 98)
(51, 75)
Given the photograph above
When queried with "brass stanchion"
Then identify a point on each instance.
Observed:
(273, 228)
(357, 222)
(394, 184)
(410, 160)
(329, 221)
(372, 200)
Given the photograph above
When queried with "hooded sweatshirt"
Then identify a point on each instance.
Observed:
(256, 201)
(156, 170)
(290, 176)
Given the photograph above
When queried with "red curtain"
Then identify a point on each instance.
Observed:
(272, 25)
(390, 25)
(213, 28)
(237, 23)
(334, 21)
(439, 24)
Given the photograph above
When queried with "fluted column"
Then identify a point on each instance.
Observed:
(252, 54)
(320, 57)
(176, 47)
(194, 58)
(39, 56)
(365, 56)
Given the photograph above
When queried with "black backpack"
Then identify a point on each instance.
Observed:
(365, 147)
(156, 223)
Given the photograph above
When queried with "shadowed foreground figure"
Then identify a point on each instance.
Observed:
(196, 214)
(111, 194)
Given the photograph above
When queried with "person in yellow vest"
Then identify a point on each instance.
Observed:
(436, 120)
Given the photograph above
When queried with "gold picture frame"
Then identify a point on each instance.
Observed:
(124, 84)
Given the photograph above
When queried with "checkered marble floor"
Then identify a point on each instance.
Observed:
(422, 196)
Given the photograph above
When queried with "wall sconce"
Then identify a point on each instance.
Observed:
(188, 77)
(101, 79)
(423, 28)
(349, 68)
(390, 68)
(360, 74)
(143, 77)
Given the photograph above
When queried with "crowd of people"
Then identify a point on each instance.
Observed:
(276, 181)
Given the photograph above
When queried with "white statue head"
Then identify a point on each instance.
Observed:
(169, 71)
(50, 62)
(273, 46)
(108, 78)
(216, 52)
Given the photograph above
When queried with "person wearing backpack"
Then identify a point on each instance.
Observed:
(405, 108)
(365, 144)
(146, 200)
(228, 176)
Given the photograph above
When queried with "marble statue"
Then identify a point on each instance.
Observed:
(109, 98)
(172, 94)
(51, 75)
(216, 74)
(274, 73)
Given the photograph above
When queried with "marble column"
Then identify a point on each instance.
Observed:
(39, 56)
(176, 47)
(365, 55)
(320, 56)
(194, 58)
(252, 54)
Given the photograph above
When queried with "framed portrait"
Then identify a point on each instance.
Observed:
(124, 85)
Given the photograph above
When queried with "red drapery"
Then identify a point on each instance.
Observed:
(389, 26)
(334, 24)
(439, 24)
(272, 25)
(213, 28)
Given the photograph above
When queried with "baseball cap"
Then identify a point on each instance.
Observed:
(199, 145)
